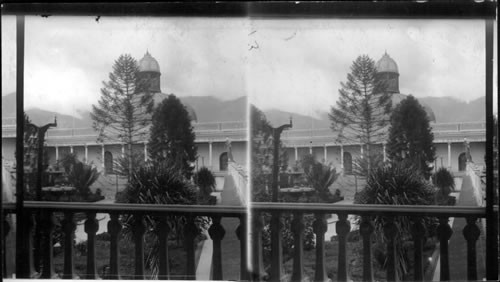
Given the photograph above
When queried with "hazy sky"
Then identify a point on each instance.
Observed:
(294, 65)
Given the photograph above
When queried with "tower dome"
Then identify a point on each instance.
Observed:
(148, 64)
(149, 69)
(387, 70)
(387, 64)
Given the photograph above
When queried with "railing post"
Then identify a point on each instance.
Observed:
(68, 227)
(276, 273)
(189, 235)
(114, 228)
(91, 226)
(138, 232)
(241, 233)
(366, 229)
(390, 231)
(47, 224)
(216, 232)
(6, 230)
(342, 227)
(163, 230)
(418, 232)
(444, 232)
(471, 233)
(298, 250)
(258, 273)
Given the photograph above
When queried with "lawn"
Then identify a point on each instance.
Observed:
(177, 259)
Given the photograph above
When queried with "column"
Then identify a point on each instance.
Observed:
(296, 153)
(210, 154)
(385, 154)
(342, 157)
(86, 153)
(310, 149)
(123, 150)
(102, 156)
(362, 151)
(325, 153)
(71, 149)
(449, 155)
(57, 153)
(145, 151)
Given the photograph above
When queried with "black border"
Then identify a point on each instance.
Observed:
(467, 9)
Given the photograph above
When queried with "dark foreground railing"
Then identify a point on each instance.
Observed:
(256, 272)
(471, 233)
(45, 211)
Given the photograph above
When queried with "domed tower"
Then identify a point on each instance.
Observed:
(387, 70)
(150, 69)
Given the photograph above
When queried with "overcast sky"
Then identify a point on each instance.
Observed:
(293, 65)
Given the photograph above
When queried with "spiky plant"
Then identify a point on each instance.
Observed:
(161, 183)
(79, 174)
(321, 177)
(397, 184)
(205, 180)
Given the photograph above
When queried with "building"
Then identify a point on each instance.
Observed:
(212, 139)
(449, 138)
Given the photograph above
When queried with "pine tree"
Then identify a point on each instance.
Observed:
(172, 136)
(410, 136)
(125, 107)
(363, 107)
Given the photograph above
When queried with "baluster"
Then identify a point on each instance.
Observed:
(163, 230)
(114, 228)
(216, 232)
(390, 232)
(471, 233)
(90, 227)
(241, 233)
(418, 231)
(319, 228)
(189, 235)
(138, 232)
(276, 247)
(444, 232)
(6, 230)
(366, 229)
(258, 273)
(69, 227)
(47, 224)
(298, 249)
(342, 227)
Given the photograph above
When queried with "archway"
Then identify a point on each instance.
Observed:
(347, 163)
(462, 162)
(108, 162)
(223, 162)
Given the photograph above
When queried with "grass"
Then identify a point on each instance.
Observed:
(354, 262)
(177, 259)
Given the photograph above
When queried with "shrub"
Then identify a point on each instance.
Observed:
(205, 180)
(80, 175)
(397, 184)
(444, 180)
(321, 177)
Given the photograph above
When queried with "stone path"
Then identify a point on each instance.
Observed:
(230, 243)
(457, 244)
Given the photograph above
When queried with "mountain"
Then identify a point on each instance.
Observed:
(446, 109)
(207, 109)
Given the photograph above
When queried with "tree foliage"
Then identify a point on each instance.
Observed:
(410, 136)
(363, 108)
(205, 180)
(262, 154)
(124, 109)
(321, 177)
(172, 136)
(445, 182)
(79, 175)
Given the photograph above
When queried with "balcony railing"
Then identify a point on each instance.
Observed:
(47, 224)
(367, 212)
(216, 231)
